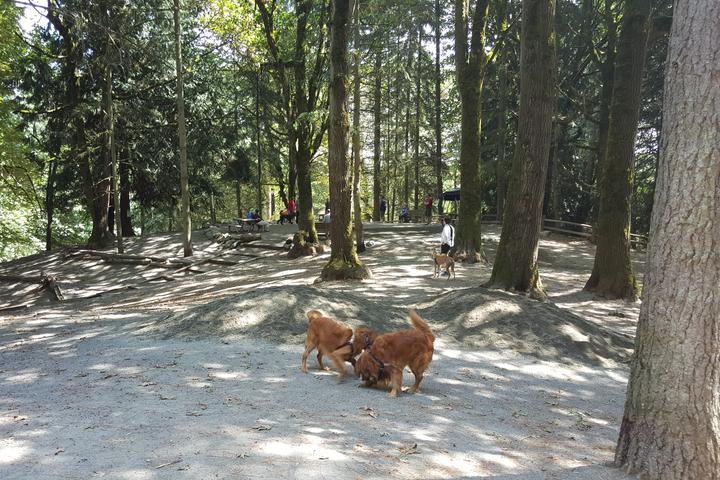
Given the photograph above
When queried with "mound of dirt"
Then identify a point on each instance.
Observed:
(480, 317)
(277, 314)
(476, 317)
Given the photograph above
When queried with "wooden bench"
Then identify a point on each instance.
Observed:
(322, 229)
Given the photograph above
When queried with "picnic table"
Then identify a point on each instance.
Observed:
(245, 223)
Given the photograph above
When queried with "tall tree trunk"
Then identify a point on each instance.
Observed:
(612, 274)
(238, 200)
(438, 102)
(515, 264)
(50, 202)
(182, 136)
(607, 71)
(125, 217)
(671, 425)
(501, 168)
(112, 154)
(258, 144)
(357, 160)
(551, 198)
(377, 109)
(344, 262)
(470, 63)
(416, 123)
(306, 215)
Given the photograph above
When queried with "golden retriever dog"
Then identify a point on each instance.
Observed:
(363, 338)
(389, 354)
(443, 260)
(330, 338)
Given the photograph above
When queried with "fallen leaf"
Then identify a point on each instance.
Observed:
(409, 450)
(163, 397)
(59, 450)
(262, 427)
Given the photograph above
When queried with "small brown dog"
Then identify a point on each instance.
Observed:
(443, 260)
(331, 339)
(389, 354)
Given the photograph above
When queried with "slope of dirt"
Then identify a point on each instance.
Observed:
(475, 317)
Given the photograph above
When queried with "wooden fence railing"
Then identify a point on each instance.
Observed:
(637, 241)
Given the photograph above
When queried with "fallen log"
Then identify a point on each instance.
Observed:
(217, 261)
(53, 287)
(119, 257)
(265, 247)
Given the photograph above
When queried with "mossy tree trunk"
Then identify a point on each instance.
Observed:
(515, 266)
(671, 425)
(470, 63)
(612, 274)
(344, 262)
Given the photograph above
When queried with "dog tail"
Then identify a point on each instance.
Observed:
(421, 325)
(313, 314)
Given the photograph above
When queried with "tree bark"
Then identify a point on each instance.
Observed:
(357, 160)
(182, 136)
(344, 262)
(671, 425)
(377, 109)
(515, 266)
(470, 64)
(50, 202)
(125, 217)
(612, 274)
(111, 153)
(306, 215)
(438, 102)
(416, 123)
(501, 166)
(258, 145)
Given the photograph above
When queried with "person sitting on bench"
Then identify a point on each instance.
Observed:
(404, 214)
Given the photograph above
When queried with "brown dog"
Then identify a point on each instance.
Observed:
(441, 260)
(389, 354)
(364, 337)
(331, 339)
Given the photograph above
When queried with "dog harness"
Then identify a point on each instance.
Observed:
(379, 362)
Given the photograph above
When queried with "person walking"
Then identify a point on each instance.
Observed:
(383, 208)
(428, 208)
(292, 210)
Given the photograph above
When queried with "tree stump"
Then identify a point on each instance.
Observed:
(301, 247)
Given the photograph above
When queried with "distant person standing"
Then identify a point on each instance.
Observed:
(447, 238)
(327, 206)
(383, 208)
(428, 208)
(292, 210)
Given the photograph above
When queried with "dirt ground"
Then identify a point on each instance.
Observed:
(199, 377)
